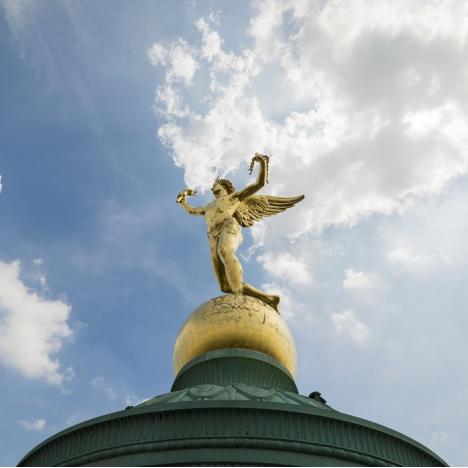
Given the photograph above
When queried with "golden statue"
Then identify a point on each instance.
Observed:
(225, 215)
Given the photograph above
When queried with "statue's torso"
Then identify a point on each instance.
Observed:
(218, 211)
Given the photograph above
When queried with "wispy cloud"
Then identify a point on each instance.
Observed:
(133, 400)
(412, 261)
(284, 266)
(358, 279)
(100, 384)
(114, 394)
(32, 425)
(346, 324)
(288, 307)
(178, 58)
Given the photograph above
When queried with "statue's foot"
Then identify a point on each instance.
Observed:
(272, 301)
(269, 299)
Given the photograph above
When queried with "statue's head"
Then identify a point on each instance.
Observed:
(222, 187)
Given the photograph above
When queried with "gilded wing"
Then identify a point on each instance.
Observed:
(256, 207)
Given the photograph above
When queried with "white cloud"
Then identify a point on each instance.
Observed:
(288, 307)
(347, 125)
(1, 186)
(411, 261)
(441, 436)
(447, 121)
(172, 102)
(358, 279)
(431, 237)
(425, 20)
(100, 384)
(32, 328)
(421, 123)
(33, 425)
(285, 267)
(157, 54)
(212, 42)
(183, 64)
(179, 59)
(116, 394)
(346, 324)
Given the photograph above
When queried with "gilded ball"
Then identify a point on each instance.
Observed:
(235, 322)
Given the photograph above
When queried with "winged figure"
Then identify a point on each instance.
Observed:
(225, 215)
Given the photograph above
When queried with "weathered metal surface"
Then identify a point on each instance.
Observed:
(233, 424)
(235, 322)
(178, 432)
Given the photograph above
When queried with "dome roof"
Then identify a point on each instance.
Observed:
(234, 392)
(213, 418)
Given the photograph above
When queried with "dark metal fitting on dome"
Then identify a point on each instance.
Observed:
(317, 396)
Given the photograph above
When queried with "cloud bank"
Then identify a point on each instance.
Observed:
(361, 105)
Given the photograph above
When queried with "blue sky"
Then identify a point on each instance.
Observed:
(108, 109)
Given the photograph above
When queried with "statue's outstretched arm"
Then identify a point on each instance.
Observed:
(198, 211)
(182, 200)
(262, 178)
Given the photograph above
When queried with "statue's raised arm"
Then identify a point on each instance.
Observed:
(262, 178)
(256, 207)
(224, 217)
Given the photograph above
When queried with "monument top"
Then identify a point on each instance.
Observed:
(225, 215)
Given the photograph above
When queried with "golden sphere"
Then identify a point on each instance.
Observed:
(235, 322)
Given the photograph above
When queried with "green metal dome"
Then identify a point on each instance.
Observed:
(230, 407)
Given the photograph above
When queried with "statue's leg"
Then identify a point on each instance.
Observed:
(218, 267)
(228, 242)
(270, 299)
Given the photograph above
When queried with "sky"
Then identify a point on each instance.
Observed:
(110, 108)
